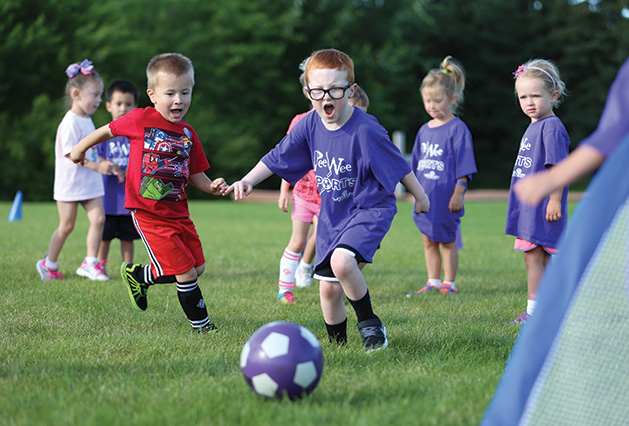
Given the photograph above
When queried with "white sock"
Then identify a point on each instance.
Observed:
(51, 265)
(90, 259)
(288, 266)
(452, 285)
(530, 306)
(435, 282)
(304, 265)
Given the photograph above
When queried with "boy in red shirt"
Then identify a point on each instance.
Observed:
(165, 155)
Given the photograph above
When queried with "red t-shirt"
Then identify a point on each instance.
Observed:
(161, 158)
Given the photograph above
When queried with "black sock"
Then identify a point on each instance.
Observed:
(192, 302)
(337, 332)
(145, 275)
(363, 308)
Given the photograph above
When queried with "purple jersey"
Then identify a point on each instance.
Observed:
(614, 123)
(115, 150)
(545, 143)
(440, 156)
(357, 168)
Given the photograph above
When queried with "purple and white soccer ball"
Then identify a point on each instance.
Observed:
(282, 359)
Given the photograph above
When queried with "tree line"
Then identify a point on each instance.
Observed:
(246, 56)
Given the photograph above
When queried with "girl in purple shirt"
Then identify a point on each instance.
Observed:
(545, 143)
(612, 128)
(443, 161)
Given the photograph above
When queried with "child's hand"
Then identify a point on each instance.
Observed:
(77, 156)
(553, 211)
(456, 203)
(117, 171)
(217, 186)
(240, 188)
(422, 204)
(282, 202)
(534, 188)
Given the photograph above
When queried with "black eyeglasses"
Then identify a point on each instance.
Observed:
(334, 92)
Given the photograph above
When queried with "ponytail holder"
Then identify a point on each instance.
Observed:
(445, 71)
(85, 67)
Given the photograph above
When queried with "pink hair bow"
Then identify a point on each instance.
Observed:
(85, 67)
(519, 71)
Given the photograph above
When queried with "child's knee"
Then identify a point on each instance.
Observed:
(66, 228)
(342, 264)
(330, 291)
(200, 270)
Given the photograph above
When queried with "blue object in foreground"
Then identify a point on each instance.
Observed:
(16, 208)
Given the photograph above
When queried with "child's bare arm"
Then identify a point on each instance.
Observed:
(97, 136)
(204, 183)
(422, 203)
(456, 200)
(283, 199)
(243, 187)
(553, 210)
(538, 186)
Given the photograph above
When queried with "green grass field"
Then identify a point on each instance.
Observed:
(76, 352)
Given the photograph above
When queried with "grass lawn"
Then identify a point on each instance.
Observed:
(76, 352)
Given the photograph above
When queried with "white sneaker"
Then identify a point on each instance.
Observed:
(91, 271)
(303, 276)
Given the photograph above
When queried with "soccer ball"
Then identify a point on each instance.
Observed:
(282, 359)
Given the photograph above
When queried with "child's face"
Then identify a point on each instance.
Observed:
(120, 104)
(333, 112)
(535, 99)
(86, 101)
(171, 96)
(438, 105)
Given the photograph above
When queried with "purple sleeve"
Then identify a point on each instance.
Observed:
(291, 158)
(386, 162)
(556, 144)
(465, 162)
(614, 123)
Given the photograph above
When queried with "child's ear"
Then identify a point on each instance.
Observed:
(554, 96)
(151, 95)
(74, 93)
(352, 90)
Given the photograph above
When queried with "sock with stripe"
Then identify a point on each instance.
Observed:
(288, 266)
(192, 302)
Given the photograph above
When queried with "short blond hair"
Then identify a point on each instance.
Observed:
(174, 64)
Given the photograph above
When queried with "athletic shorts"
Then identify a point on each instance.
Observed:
(523, 245)
(304, 211)
(121, 227)
(173, 245)
(324, 271)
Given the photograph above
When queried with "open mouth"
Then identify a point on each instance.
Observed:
(328, 109)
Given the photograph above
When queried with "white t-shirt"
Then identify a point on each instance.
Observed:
(74, 182)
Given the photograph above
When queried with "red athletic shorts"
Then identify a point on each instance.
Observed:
(172, 244)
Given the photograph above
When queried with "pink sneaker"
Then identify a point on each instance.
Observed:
(286, 297)
(46, 273)
(521, 319)
(91, 271)
(102, 265)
